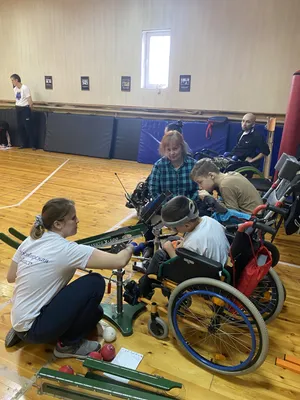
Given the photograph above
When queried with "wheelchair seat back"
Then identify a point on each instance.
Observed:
(241, 251)
(189, 265)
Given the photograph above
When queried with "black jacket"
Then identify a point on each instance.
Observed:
(250, 145)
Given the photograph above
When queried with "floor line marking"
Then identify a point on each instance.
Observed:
(37, 188)
(288, 264)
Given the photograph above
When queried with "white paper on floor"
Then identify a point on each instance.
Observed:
(126, 358)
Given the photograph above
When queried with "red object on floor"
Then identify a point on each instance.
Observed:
(67, 369)
(96, 354)
(108, 352)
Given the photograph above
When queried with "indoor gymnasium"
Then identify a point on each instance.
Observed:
(150, 199)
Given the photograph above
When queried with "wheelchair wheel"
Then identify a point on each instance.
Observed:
(274, 251)
(269, 296)
(215, 329)
(158, 328)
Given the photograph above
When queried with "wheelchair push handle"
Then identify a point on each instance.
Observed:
(278, 210)
(268, 207)
(265, 228)
(256, 225)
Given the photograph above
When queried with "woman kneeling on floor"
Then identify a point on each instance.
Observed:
(45, 308)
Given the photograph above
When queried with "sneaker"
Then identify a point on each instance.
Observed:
(11, 339)
(79, 350)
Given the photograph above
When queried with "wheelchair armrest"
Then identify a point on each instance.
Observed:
(197, 258)
(187, 265)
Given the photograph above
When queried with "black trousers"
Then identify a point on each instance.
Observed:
(3, 138)
(25, 128)
(145, 283)
(71, 315)
(158, 258)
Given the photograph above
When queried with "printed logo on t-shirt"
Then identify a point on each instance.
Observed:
(28, 257)
(18, 95)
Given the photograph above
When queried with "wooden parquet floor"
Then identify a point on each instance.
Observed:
(28, 180)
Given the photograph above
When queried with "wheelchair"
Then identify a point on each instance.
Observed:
(220, 327)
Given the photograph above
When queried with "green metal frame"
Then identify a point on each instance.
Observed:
(93, 385)
(103, 240)
(123, 320)
(136, 376)
(17, 234)
(6, 239)
(167, 262)
(121, 235)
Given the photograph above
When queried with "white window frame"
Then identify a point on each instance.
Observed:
(145, 57)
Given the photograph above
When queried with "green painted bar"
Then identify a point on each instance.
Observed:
(6, 239)
(132, 375)
(110, 388)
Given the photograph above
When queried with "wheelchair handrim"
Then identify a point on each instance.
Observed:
(243, 365)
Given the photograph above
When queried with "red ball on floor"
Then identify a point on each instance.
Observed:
(67, 369)
(96, 354)
(108, 352)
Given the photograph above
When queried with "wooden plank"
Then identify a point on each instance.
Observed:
(292, 359)
(288, 365)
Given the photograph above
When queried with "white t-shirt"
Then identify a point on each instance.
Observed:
(208, 239)
(45, 266)
(22, 95)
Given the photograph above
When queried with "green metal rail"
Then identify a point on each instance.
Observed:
(136, 376)
(102, 240)
(97, 386)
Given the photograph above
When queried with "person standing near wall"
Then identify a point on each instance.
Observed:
(24, 105)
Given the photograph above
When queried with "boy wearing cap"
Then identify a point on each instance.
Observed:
(202, 235)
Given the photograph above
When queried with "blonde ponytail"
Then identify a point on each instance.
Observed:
(38, 228)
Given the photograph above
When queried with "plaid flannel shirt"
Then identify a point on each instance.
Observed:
(165, 177)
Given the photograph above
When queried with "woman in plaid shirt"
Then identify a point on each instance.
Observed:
(172, 171)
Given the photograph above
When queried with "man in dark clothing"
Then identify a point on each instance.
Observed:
(251, 145)
(4, 134)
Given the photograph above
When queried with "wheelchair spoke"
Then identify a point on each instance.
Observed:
(216, 331)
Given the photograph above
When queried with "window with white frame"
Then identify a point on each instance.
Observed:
(155, 59)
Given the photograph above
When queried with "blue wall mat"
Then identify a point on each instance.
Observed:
(151, 133)
(235, 129)
(126, 138)
(195, 135)
(86, 135)
(193, 132)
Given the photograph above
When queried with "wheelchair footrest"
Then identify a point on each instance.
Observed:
(132, 293)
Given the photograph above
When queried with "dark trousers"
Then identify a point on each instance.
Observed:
(71, 315)
(145, 283)
(24, 123)
(3, 138)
